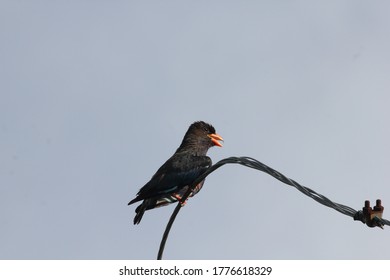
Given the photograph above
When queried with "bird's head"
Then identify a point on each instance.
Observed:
(201, 136)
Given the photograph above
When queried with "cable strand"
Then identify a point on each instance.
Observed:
(255, 164)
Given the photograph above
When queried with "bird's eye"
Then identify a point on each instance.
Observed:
(205, 129)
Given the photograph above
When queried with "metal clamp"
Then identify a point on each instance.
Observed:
(372, 217)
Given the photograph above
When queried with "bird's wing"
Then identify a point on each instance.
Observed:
(178, 171)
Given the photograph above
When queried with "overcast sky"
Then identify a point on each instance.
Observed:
(96, 95)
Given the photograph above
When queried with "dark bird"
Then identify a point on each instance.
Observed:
(173, 178)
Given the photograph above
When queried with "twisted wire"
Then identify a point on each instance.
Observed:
(255, 164)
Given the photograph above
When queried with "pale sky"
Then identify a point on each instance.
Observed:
(96, 95)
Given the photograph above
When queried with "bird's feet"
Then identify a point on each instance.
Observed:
(179, 197)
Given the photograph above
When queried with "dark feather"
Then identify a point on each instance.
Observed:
(173, 178)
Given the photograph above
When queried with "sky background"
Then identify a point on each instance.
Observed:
(96, 95)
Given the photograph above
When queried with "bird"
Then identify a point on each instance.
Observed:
(172, 180)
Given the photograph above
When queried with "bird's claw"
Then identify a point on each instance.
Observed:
(179, 197)
(182, 203)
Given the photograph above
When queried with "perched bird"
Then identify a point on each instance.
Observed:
(173, 178)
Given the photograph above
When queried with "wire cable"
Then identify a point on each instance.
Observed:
(255, 164)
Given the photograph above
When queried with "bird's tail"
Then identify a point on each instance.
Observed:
(140, 210)
(151, 203)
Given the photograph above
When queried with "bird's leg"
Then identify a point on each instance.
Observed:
(178, 197)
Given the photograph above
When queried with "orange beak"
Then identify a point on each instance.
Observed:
(215, 138)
